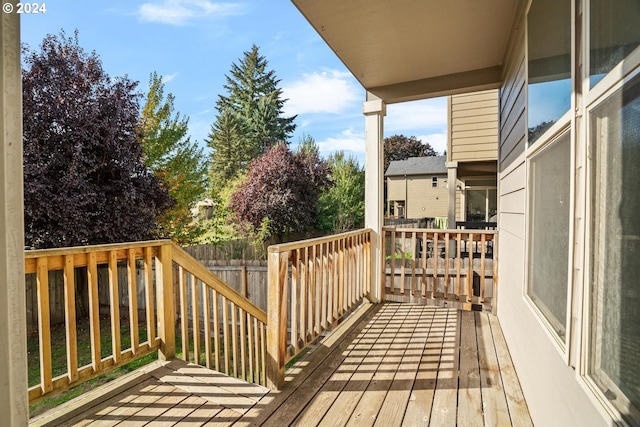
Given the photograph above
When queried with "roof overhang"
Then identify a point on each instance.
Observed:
(402, 50)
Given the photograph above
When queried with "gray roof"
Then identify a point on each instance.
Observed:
(429, 165)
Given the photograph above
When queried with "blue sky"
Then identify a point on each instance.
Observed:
(192, 44)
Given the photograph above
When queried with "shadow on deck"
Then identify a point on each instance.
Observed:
(388, 364)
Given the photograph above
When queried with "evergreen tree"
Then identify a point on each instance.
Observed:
(227, 138)
(251, 108)
(174, 159)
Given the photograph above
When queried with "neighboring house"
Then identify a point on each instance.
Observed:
(417, 188)
(567, 76)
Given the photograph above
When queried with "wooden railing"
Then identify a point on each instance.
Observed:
(231, 330)
(79, 267)
(218, 327)
(312, 284)
(453, 267)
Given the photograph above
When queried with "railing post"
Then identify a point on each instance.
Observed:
(166, 310)
(277, 316)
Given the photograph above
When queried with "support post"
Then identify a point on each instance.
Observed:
(374, 111)
(277, 318)
(452, 180)
(166, 310)
(13, 330)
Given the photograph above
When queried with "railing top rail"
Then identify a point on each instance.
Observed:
(284, 247)
(181, 257)
(438, 230)
(38, 253)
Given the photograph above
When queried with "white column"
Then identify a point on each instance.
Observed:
(452, 180)
(13, 348)
(374, 112)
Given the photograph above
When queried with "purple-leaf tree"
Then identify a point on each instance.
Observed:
(280, 194)
(84, 177)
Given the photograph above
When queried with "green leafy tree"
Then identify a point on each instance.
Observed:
(85, 181)
(174, 159)
(250, 117)
(341, 205)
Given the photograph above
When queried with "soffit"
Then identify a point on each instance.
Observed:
(396, 48)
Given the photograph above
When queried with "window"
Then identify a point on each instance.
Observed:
(548, 65)
(614, 356)
(434, 182)
(614, 33)
(549, 221)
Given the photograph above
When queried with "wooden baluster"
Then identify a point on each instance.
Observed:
(324, 249)
(184, 312)
(458, 260)
(234, 339)
(263, 355)
(206, 313)
(312, 292)
(470, 268)
(341, 277)
(402, 246)
(494, 260)
(216, 331)
(295, 320)
(133, 301)
(195, 320)
(304, 296)
(446, 267)
(392, 262)
(243, 344)
(424, 266)
(317, 306)
(70, 318)
(413, 264)
(483, 247)
(436, 288)
(94, 312)
(331, 283)
(251, 346)
(149, 296)
(44, 324)
(114, 306)
(225, 334)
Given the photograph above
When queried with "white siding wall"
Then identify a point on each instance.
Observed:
(551, 387)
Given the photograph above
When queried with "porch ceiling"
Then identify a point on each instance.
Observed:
(407, 49)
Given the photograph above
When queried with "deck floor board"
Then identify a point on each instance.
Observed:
(391, 364)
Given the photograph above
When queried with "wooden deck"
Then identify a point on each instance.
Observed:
(388, 365)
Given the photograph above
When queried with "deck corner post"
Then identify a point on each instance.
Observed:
(166, 310)
(277, 317)
(374, 110)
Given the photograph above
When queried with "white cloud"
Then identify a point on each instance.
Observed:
(437, 140)
(169, 77)
(321, 92)
(347, 141)
(181, 12)
(411, 116)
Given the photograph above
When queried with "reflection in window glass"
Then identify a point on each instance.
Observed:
(614, 33)
(549, 64)
(615, 251)
(549, 200)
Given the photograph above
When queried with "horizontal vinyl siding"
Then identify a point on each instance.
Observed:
(551, 389)
(396, 188)
(425, 201)
(474, 126)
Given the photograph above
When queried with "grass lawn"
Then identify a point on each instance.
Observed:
(59, 359)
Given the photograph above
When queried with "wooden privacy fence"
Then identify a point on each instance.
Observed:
(312, 283)
(440, 266)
